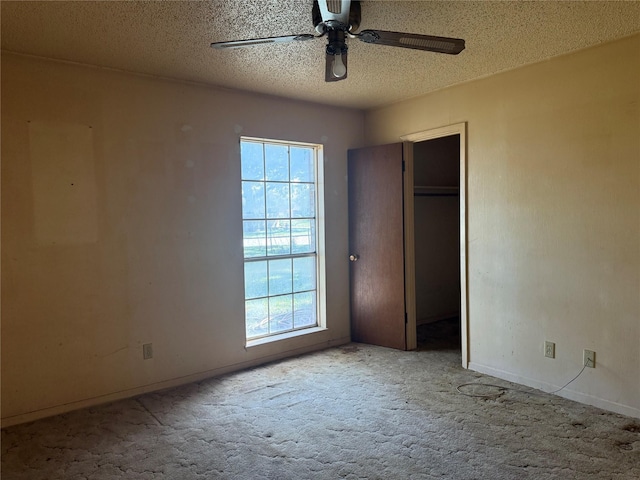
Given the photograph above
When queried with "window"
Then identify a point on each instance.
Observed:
(281, 232)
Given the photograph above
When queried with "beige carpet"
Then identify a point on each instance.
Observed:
(355, 412)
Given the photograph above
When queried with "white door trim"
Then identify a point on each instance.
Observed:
(410, 293)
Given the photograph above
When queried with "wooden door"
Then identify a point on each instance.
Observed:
(376, 242)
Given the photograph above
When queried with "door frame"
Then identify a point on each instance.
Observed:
(409, 259)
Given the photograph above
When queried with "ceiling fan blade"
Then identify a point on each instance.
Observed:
(452, 46)
(334, 70)
(260, 41)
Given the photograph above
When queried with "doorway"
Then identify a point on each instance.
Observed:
(435, 221)
(436, 178)
(382, 239)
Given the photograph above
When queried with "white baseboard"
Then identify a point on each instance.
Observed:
(175, 382)
(565, 393)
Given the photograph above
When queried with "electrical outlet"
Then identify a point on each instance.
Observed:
(147, 351)
(550, 349)
(589, 358)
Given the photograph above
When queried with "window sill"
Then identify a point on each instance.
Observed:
(283, 336)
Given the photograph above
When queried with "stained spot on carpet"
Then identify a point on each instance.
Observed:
(350, 349)
(624, 445)
(632, 427)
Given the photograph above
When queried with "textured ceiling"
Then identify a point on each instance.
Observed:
(171, 39)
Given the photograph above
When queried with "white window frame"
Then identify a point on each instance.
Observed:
(320, 254)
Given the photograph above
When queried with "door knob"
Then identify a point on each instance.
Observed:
(354, 258)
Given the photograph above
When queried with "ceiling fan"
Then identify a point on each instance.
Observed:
(339, 20)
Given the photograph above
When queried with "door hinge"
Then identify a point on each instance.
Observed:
(403, 166)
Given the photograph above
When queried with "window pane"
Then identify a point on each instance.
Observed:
(302, 200)
(277, 162)
(280, 277)
(251, 161)
(303, 236)
(255, 280)
(254, 238)
(302, 164)
(278, 237)
(304, 310)
(252, 200)
(304, 274)
(257, 317)
(279, 222)
(281, 310)
(277, 200)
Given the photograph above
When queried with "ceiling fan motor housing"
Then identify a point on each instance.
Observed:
(330, 16)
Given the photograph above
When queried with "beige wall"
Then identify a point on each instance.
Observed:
(553, 217)
(121, 226)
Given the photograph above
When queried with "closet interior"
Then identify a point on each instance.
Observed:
(436, 174)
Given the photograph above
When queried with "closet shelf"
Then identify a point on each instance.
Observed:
(428, 191)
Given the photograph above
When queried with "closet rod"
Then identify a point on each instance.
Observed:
(435, 195)
(427, 191)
